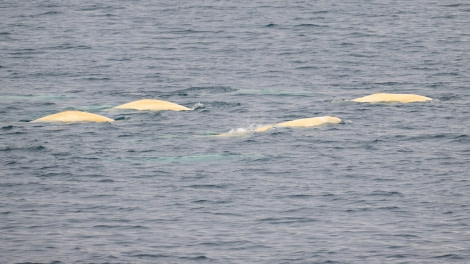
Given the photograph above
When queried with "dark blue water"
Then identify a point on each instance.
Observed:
(390, 184)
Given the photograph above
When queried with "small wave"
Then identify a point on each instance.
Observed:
(208, 186)
(309, 25)
(223, 105)
(31, 97)
(201, 257)
(455, 5)
(143, 255)
(271, 25)
(287, 220)
(52, 262)
(448, 97)
(461, 139)
(206, 89)
(273, 92)
(49, 13)
(106, 180)
(189, 158)
(385, 193)
(36, 148)
(29, 149)
(449, 256)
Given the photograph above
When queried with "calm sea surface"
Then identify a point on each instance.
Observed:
(390, 184)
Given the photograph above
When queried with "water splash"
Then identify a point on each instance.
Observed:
(198, 106)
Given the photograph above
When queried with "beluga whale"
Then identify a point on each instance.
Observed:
(73, 117)
(152, 105)
(303, 122)
(391, 98)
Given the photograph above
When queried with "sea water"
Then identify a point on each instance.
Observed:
(389, 184)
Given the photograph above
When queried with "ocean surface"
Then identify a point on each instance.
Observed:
(389, 184)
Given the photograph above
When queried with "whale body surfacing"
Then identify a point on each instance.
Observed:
(152, 105)
(388, 97)
(310, 122)
(304, 122)
(73, 117)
